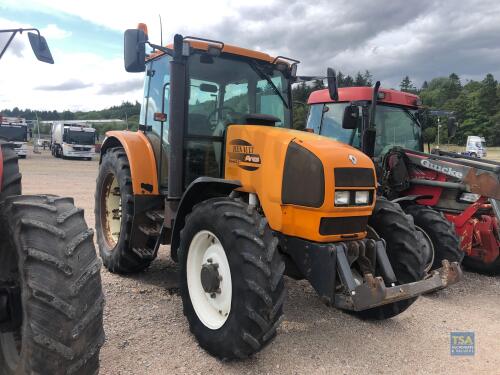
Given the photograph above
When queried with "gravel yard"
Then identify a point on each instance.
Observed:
(148, 334)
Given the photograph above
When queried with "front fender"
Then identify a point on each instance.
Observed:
(201, 189)
(141, 157)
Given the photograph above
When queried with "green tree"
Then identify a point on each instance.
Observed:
(406, 85)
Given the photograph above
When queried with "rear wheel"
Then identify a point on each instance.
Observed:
(48, 262)
(439, 236)
(232, 284)
(404, 251)
(114, 216)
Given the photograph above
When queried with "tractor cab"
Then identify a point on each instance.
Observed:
(395, 121)
(216, 85)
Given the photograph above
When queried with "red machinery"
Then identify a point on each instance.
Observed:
(462, 189)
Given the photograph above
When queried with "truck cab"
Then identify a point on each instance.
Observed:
(73, 140)
(15, 130)
(475, 146)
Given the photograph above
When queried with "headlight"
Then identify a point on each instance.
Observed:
(469, 197)
(342, 198)
(362, 197)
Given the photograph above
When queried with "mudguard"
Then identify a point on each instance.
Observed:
(140, 156)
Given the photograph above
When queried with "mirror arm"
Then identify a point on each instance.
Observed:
(168, 51)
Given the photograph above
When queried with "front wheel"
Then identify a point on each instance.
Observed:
(232, 284)
(440, 240)
(404, 251)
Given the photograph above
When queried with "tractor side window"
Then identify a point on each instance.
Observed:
(156, 95)
(159, 82)
(202, 112)
(314, 118)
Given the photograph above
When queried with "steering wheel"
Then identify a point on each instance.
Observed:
(219, 111)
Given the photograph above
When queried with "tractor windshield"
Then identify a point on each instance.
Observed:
(14, 133)
(224, 89)
(396, 126)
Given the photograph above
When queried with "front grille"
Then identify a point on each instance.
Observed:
(342, 225)
(354, 177)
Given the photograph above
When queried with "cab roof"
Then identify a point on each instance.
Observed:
(348, 94)
(227, 48)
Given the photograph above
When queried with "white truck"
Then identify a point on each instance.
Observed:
(72, 140)
(15, 130)
(475, 146)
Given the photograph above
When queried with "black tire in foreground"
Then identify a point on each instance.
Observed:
(11, 178)
(403, 250)
(114, 215)
(445, 242)
(47, 252)
(256, 274)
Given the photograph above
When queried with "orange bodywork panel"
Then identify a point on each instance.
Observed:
(141, 158)
(260, 170)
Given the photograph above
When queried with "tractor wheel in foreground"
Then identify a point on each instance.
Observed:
(114, 215)
(232, 284)
(49, 264)
(11, 178)
(440, 240)
(404, 251)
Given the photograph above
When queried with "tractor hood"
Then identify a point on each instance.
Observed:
(295, 176)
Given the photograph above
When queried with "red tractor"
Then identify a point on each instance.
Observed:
(51, 300)
(445, 192)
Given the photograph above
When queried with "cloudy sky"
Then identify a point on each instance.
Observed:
(423, 39)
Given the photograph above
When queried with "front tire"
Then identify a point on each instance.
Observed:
(47, 252)
(440, 231)
(234, 235)
(403, 250)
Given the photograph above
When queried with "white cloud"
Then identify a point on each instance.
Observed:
(52, 31)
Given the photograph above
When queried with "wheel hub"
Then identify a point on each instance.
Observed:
(210, 278)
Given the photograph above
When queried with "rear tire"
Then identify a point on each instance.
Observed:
(47, 251)
(256, 274)
(440, 231)
(114, 215)
(11, 179)
(403, 250)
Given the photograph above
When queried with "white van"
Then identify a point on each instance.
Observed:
(476, 146)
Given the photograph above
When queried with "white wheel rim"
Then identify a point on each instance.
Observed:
(212, 309)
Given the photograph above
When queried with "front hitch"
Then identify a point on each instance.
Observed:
(374, 293)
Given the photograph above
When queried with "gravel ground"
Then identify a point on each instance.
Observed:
(148, 334)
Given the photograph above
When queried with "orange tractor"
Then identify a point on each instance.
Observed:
(216, 172)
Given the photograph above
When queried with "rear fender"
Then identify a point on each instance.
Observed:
(141, 157)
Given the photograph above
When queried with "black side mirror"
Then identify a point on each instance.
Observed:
(351, 117)
(333, 88)
(40, 48)
(134, 50)
(452, 126)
